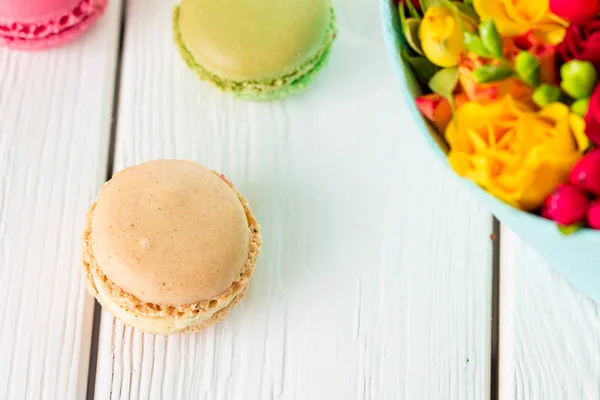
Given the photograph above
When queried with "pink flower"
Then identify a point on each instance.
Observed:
(415, 3)
(581, 42)
(566, 206)
(593, 215)
(592, 117)
(586, 173)
(575, 10)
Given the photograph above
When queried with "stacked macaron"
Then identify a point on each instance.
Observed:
(257, 50)
(169, 246)
(41, 24)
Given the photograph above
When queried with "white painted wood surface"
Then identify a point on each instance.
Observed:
(55, 110)
(374, 280)
(550, 334)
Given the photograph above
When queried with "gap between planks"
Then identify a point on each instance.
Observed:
(495, 334)
(97, 312)
(93, 359)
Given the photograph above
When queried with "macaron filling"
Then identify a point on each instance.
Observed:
(85, 10)
(157, 325)
(257, 87)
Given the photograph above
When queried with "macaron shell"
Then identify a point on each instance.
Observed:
(128, 303)
(170, 232)
(268, 89)
(253, 40)
(297, 86)
(163, 325)
(27, 11)
(14, 35)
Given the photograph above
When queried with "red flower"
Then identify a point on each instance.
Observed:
(575, 10)
(415, 3)
(592, 117)
(546, 53)
(581, 42)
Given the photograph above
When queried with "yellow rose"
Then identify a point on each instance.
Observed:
(441, 36)
(517, 17)
(515, 153)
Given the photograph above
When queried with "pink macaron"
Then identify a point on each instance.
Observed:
(42, 24)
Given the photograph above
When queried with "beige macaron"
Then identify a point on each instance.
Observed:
(169, 246)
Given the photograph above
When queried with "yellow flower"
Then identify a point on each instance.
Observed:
(517, 17)
(441, 36)
(517, 154)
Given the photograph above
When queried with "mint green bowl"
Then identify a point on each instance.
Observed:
(575, 257)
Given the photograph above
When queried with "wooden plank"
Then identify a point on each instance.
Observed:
(550, 333)
(375, 276)
(54, 129)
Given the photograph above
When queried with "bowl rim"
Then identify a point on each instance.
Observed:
(394, 41)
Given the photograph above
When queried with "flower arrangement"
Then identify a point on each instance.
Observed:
(512, 87)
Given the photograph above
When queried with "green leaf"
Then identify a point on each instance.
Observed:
(422, 67)
(467, 12)
(474, 44)
(427, 4)
(410, 30)
(412, 11)
(527, 66)
(468, 2)
(466, 23)
(411, 34)
(402, 17)
(491, 38)
(444, 82)
(492, 73)
(569, 229)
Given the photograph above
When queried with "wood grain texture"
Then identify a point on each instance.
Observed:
(54, 129)
(550, 333)
(374, 279)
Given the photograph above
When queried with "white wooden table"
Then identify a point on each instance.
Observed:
(376, 279)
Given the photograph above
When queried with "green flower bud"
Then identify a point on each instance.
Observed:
(581, 106)
(491, 38)
(546, 94)
(527, 67)
(492, 73)
(474, 44)
(578, 78)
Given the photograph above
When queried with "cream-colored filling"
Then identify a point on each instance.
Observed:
(161, 326)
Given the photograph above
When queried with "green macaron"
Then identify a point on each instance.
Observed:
(256, 50)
